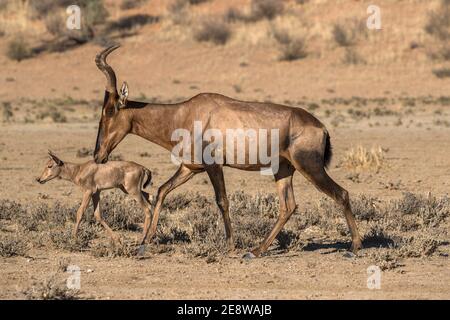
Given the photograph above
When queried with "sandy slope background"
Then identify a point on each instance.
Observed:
(385, 92)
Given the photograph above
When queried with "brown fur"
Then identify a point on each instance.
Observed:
(304, 145)
(93, 178)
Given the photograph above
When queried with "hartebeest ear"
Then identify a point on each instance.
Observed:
(58, 161)
(123, 95)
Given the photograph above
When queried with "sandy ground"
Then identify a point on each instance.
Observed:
(319, 274)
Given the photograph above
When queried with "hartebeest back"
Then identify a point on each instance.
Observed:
(304, 145)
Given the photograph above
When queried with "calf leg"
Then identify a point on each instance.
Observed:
(98, 217)
(84, 203)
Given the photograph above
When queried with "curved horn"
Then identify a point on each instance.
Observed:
(100, 61)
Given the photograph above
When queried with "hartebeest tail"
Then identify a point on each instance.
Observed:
(147, 178)
(328, 151)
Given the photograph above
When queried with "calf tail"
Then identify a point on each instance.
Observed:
(147, 178)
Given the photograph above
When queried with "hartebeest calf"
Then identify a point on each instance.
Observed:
(128, 176)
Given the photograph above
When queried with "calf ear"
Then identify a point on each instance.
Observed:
(123, 95)
(58, 161)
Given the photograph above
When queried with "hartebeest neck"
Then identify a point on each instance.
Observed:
(156, 122)
(69, 171)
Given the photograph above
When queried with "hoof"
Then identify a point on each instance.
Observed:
(141, 250)
(248, 256)
(349, 255)
(356, 246)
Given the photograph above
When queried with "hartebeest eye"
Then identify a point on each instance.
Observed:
(109, 112)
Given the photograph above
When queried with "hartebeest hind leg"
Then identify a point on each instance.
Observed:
(310, 167)
(182, 175)
(215, 173)
(285, 190)
(99, 219)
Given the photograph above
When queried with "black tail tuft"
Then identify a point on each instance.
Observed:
(148, 178)
(328, 151)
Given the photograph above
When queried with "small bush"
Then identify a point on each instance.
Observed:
(7, 112)
(54, 23)
(178, 10)
(234, 15)
(42, 7)
(266, 9)
(63, 239)
(121, 212)
(18, 49)
(172, 235)
(294, 50)
(11, 246)
(95, 12)
(442, 73)
(10, 209)
(385, 259)
(351, 56)
(50, 289)
(131, 22)
(114, 250)
(131, 4)
(419, 246)
(438, 24)
(365, 208)
(348, 33)
(215, 31)
(52, 113)
(195, 2)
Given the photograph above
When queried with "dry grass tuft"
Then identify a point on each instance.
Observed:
(438, 26)
(114, 250)
(63, 238)
(12, 245)
(442, 73)
(179, 12)
(213, 30)
(18, 49)
(290, 48)
(349, 32)
(131, 4)
(362, 158)
(50, 289)
(266, 9)
(351, 56)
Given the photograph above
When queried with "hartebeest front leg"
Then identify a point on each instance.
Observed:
(182, 175)
(287, 207)
(215, 173)
(81, 210)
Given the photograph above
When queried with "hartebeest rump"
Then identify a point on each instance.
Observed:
(92, 178)
(304, 145)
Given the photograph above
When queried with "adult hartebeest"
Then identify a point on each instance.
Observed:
(304, 145)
